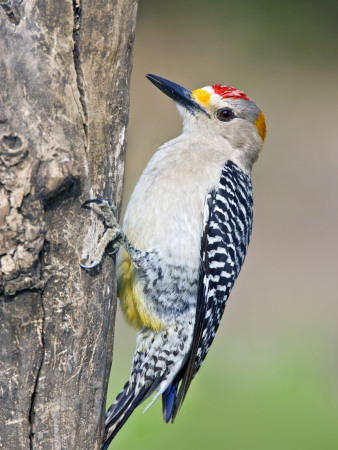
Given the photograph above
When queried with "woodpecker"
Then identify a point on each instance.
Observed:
(182, 244)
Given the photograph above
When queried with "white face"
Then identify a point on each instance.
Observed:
(235, 121)
(225, 119)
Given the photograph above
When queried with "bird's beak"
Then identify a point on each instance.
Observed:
(178, 93)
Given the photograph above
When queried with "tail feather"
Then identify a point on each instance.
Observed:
(168, 398)
(120, 411)
(120, 403)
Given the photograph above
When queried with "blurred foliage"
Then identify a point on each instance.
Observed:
(270, 380)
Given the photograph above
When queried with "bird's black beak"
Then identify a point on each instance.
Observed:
(178, 93)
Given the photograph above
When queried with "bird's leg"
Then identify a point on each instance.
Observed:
(113, 233)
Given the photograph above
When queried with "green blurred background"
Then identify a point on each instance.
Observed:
(270, 379)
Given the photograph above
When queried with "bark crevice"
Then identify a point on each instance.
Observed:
(77, 11)
(39, 368)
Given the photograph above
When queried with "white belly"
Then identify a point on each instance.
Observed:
(165, 211)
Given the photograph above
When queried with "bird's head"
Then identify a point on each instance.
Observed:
(223, 115)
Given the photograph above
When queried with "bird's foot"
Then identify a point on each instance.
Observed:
(112, 234)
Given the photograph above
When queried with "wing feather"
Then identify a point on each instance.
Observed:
(226, 235)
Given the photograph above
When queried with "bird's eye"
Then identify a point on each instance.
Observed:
(225, 114)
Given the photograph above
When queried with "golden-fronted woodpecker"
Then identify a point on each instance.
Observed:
(183, 241)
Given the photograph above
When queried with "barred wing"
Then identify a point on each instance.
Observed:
(227, 229)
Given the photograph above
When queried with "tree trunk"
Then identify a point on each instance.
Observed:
(64, 100)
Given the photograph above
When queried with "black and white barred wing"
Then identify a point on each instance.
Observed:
(227, 229)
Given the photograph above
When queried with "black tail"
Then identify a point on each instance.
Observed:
(120, 411)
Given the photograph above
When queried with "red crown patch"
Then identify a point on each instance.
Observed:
(229, 92)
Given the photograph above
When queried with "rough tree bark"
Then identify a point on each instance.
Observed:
(64, 99)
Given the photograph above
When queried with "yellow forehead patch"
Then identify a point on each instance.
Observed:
(202, 96)
(260, 125)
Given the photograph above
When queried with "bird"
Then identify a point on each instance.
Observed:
(182, 243)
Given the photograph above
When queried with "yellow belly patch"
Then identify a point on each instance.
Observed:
(131, 296)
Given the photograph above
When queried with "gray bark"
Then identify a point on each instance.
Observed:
(64, 99)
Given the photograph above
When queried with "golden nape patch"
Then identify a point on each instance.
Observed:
(260, 125)
(131, 296)
(202, 96)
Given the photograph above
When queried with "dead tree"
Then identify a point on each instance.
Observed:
(64, 100)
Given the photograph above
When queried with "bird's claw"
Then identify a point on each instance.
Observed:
(98, 201)
(116, 249)
(90, 266)
(107, 209)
